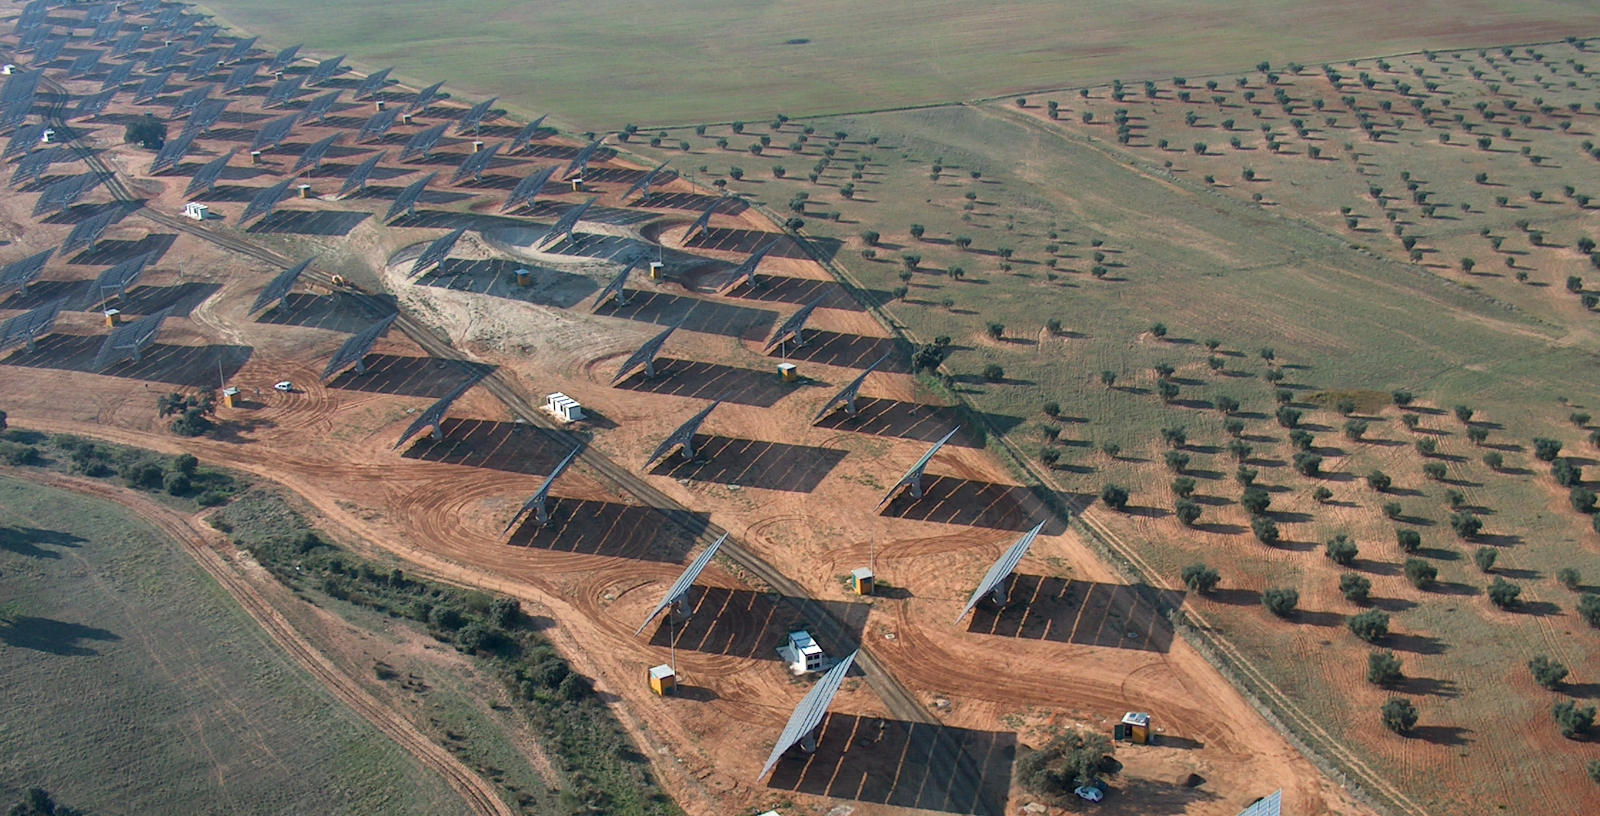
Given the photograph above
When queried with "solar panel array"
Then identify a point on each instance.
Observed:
(847, 395)
(435, 412)
(424, 96)
(161, 58)
(93, 104)
(241, 77)
(95, 15)
(18, 274)
(580, 162)
(205, 179)
(184, 24)
(645, 356)
(274, 132)
(437, 251)
(129, 340)
(1001, 568)
(473, 118)
(203, 65)
(205, 115)
(318, 108)
(615, 289)
(48, 50)
(151, 87)
(642, 186)
(22, 86)
(913, 477)
(240, 49)
(1269, 805)
(796, 324)
(106, 31)
(314, 153)
(279, 288)
(808, 714)
(167, 17)
(357, 180)
(704, 220)
(683, 436)
(528, 189)
(64, 193)
(266, 200)
(526, 135)
(372, 84)
(537, 502)
(190, 99)
(568, 222)
(31, 37)
(681, 586)
(84, 65)
(283, 91)
(746, 272)
(86, 232)
(118, 279)
(325, 70)
(14, 114)
(32, 167)
(128, 44)
(356, 347)
(203, 39)
(283, 59)
(33, 14)
(476, 163)
(406, 202)
(23, 140)
(173, 151)
(378, 124)
(423, 142)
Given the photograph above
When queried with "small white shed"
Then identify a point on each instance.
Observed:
(563, 407)
(801, 653)
(196, 211)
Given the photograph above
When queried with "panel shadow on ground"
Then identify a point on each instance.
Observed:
(745, 623)
(901, 420)
(186, 366)
(604, 528)
(695, 314)
(482, 443)
(743, 241)
(182, 298)
(329, 223)
(845, 351)
(341, 312)
(685, 378)
(496, 277)
(431, 377)
(912, 765)
(785, 289)
(949, 500)
(1090, 613)
(752, 463)
(111, 251)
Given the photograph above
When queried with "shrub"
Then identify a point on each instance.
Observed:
(1288, 417)
(1399, 715)
(1188, 511)
(1175, 437)
(1545, 449)
(1183, 486)
(1115, 497)
(1200, 578)
(1379, 481)
(1589, 608)
(1409, 540)
(1392, 509)
(1308, 464)
(1503, 593)
(1434, 471)
(1302, 439)
(1383, 669)
(1049, 456)
(1266, 532)
(1573, 722)
(1420, 573)
(1245, 476)
(1566, 473)
(1582, 499)
(1427, 446)
(1340, 550)
(1066, 762)
(1354, 429)
(1547, 672)
(1494, 460)
(1370, 625)
(1355, 588)
(17, 454)
(1280, 601)
(1466, 525)
(1322, 494)
(1256, 500)
(993, 372)
(1569, 577)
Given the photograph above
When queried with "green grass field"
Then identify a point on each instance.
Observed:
(603, 63)
(134, 685)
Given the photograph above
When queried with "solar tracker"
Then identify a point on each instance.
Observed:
(48, 50)
(31, 37)
(473, 119)
(241, 77)
(274, 132)
(424, 96)
(325, 71)
(97, 14)
(86, 232)
(278, 289)
(240, 49)
(1269, 805)
(205, 179)
(13, 114)
(437, 251)
(203, 38)
(537, 504)
(357, 180)
(642, 186)
(161, 58)
(318, 108)
(167, 17)
(704, 220)
(33, 166)
(354, 349)
(1001, 569)
(808, 714)
(129, 340)
(205, 115)
(282, 91)
(27, 327)
(312, 157)
(528, 189)
(746, 272)
(847, 395)
(16, 275)
(203, 65)
(184, 24)
(435, 414)
(93, 104)
(266, 200)
(423, 142)
(117, 76)
(569, 221)
(913, 477)
(406, 202)
(615, 289)
(23, 140)
(127, 44)
(190, 99)
(117, 280)
(146, 6)
(794, 327)
(645, 356)
(64, 193)
(105, 31)
(526, 135)
(172, 152)
(84, 65)
(683, 436)
(680, 587)
(580, 162)
(283, 59)
(33, 14)
(22, 85)
(372, 84)
(476, 163)
(378, 124)
(152, 87)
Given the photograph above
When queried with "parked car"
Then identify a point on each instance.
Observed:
(1090, 793)
(284, 386)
